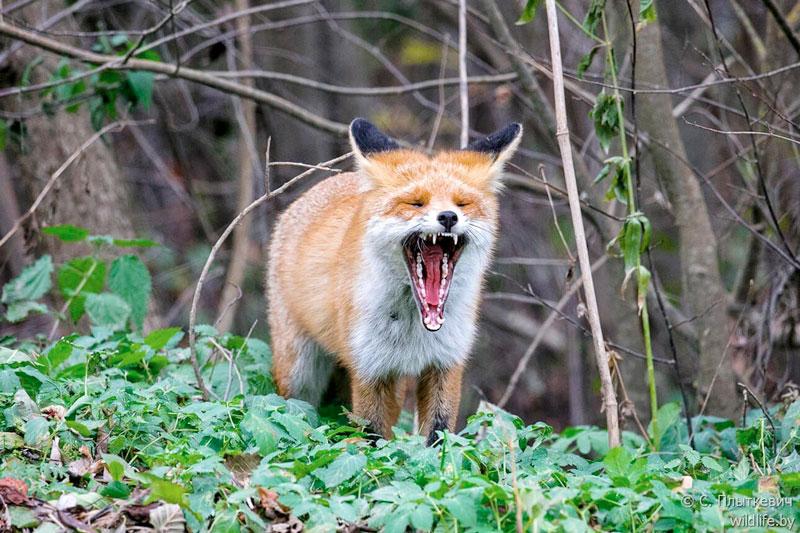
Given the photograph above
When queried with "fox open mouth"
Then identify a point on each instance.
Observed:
(431, 260)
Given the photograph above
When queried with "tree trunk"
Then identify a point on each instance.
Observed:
(92, 193)
(703, 293)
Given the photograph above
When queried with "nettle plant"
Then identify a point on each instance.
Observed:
(113, 294)
(608, 119)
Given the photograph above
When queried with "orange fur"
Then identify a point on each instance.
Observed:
(318, 252)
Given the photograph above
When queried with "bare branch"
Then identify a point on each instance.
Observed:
(562, 134)
(115, 63)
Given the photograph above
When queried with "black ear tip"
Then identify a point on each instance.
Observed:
(494, 143)
(369, 139)
(359, 124)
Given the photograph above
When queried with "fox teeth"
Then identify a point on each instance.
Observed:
(434, 238)
(455, 239)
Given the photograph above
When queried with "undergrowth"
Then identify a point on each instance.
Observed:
(103, 429)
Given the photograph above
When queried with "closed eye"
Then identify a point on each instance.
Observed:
(416, 203)
(462, 204)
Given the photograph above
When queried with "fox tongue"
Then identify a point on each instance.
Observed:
(432, 257)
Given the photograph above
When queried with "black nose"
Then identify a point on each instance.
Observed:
(448, 219)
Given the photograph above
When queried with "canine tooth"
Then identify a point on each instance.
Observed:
(455, 238)
(419, 259)
(434, 238)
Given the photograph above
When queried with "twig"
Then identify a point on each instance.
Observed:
(150, 31)
(783, 24)
(562, 134)
(462, 71)
(540, 334)
(114, 127)
(762, 180)
(750, 394)
(555, 217)
(214, 249)
(440, 113)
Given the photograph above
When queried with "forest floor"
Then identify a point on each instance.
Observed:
(104, 429)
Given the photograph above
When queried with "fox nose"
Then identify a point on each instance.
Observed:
(448, 219)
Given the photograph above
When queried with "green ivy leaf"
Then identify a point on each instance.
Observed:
(130, 279)
(528, 12)
(66, 232)
(79, 277)
(31, 284)
(666, 417)
(108, 310)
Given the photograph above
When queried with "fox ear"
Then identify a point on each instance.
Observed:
(366, 140)
(500, 145)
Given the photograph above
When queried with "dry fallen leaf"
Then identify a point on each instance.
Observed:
(13, 491)
(168, 518)
(54, 412)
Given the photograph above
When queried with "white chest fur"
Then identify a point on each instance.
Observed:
(388, 337)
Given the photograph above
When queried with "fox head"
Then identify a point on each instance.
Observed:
(430, 213)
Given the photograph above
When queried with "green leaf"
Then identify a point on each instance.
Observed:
(108, 310)
(667, 416)
(343, 468)
(586, 61)
(141, 84)
(134, 243)
(647, 11)
(606, 119)
(422, 517)
(462, 507)
(593, 16)
(631, 244)
(263, 432)
(79, 277)
(3, 134)
(31, 284)
(116, 489)
(130, 279)
(66, 232)
(528, 12)
(617, 462)
(159, 338)
(22, 518)
(10, 441)
(167, 491)
(18, 311)
(37, 429)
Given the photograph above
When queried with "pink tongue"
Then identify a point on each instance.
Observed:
(432, 257)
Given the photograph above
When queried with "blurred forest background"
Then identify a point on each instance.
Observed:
(712, 126)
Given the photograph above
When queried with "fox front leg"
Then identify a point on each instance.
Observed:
(378, 403)
(438, 397)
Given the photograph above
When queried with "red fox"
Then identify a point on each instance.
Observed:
(381, 271)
